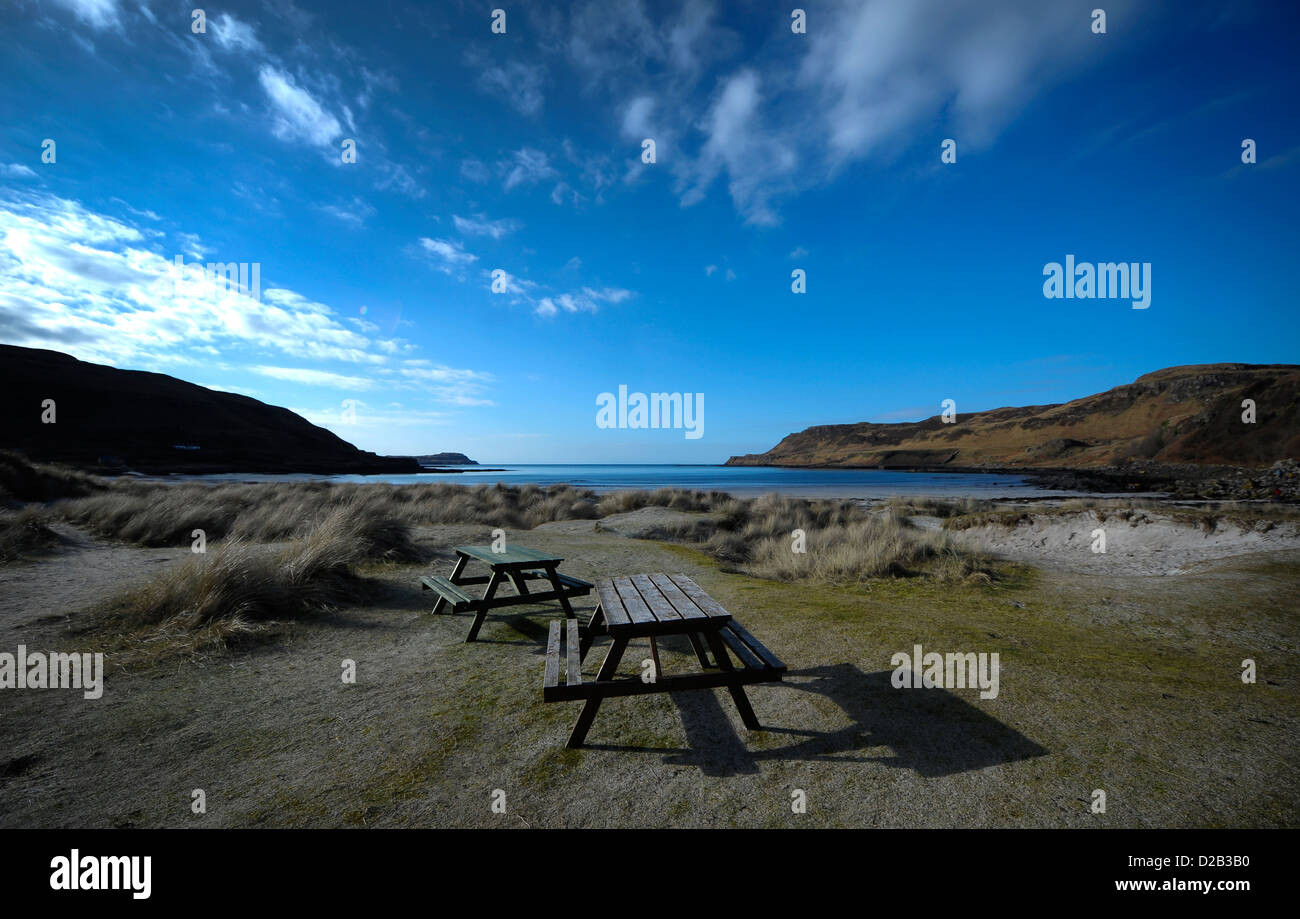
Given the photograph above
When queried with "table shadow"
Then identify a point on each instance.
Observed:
(934, 732)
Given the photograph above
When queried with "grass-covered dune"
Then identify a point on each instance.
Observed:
(287, 550)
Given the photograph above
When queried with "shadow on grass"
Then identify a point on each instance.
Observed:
(932, 731)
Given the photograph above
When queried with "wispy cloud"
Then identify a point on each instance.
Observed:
(473, 170)
(98, 14)
(516, 82)
(586, 300)
(354, 212)
(295, 113)
(480, 225)
(527, 166)
(312, 377)
(448, 253)
(799, 111)
(233, 34)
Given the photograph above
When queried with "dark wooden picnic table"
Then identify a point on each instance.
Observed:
(516, 564)
(654, 606)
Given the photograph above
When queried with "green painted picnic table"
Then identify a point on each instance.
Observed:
(516, 564)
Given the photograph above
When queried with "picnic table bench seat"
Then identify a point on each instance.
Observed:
(654, 606)
(457, 598)
(569, 582)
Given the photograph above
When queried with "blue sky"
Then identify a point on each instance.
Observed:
(521, 152)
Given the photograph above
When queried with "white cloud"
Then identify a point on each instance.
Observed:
(518, 83)
(365, 417)
(399, 178)
(296, 115)
(449, 385)
(310, 377)
(450, 252)
(709, 269)
(192, 246)
(354, 212)
(562, 191)
(98, 14)
(527, 166)
(863, 82)
(480, 225)
(754, 159)
(81, 282)
(84, 283)
(636, 118)
(238, 390)
(881, 68)
(585, 301)
(513, 286)
(608, 294)
(16, 170)
(234, 35)
(798, 252)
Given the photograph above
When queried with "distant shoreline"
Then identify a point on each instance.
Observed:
(1138, 479)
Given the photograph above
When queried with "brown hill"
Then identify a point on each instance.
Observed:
(1180, 415)
(105, 417)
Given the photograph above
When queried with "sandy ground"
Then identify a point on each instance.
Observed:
(1146, 544)
(1111, 679)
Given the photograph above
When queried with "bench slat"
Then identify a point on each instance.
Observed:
(446, 589)
(738, 648)
(682, 603)
(573, 672)
(567, 581)
(770, 659)
(654, 598)
(552, 678)
(612, 604)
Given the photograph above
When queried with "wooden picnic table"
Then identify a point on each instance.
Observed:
(653, 606)
(517, 564)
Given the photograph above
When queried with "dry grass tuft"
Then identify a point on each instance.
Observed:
(238, 589)
(24, 533)
(23, 480)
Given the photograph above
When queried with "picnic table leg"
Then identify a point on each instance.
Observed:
(588, 713)
(594, 628)
(521, 584)
(737, 691)
(481, 614)
(699, 650)
(455, 573)
(654, 656)
(559, 589)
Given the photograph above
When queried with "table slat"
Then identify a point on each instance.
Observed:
(632, 602)
(612, 604)
(654, 598)
(513, 555)
(711, 607)
(685, 607)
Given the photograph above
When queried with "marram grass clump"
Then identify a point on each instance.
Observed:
(236, 589)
